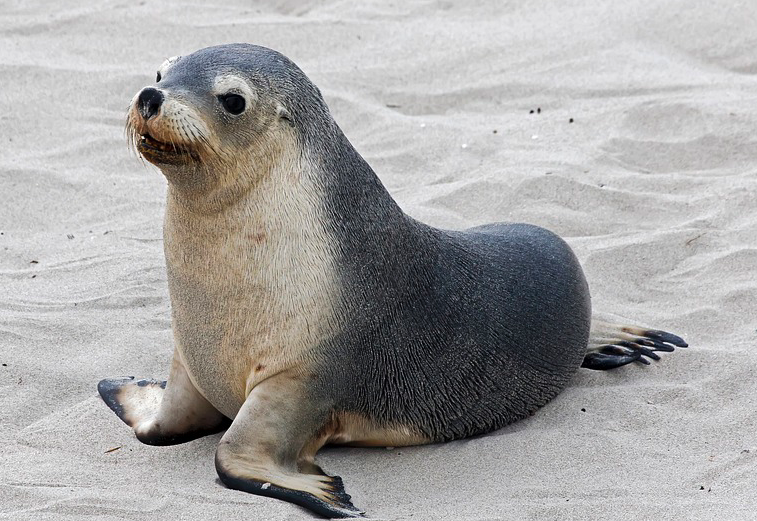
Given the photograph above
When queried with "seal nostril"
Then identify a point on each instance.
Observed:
(149, 102)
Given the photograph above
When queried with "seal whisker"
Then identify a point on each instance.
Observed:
(132, 137)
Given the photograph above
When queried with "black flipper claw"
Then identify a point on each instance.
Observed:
(600, 361)
(664, 336)
(637, 346)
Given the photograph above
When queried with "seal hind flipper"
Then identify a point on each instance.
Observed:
(162, 412)
(612, 345)
(270, 446)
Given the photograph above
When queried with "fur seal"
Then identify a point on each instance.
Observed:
(308, 309)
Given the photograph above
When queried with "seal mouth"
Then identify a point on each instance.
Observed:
(157, 151)
(147, 142)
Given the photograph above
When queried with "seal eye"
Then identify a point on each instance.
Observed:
(232, 103)
(158, 77)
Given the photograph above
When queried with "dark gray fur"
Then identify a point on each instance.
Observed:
(452, 333)
(458, 333)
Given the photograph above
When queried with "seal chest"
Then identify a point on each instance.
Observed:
(252, 290)
(309, 309)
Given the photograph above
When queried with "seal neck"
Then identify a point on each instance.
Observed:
(378, 246)
(355, 198)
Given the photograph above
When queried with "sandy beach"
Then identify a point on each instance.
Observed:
(627, 128)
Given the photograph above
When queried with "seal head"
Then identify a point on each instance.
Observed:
(218, 112)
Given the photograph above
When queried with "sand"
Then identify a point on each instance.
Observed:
(465, 114)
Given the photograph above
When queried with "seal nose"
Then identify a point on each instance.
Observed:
(149, 102)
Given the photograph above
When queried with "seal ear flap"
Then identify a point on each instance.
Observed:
(283, 113)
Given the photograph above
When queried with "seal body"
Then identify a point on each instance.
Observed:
(309, 309)
(461, 332)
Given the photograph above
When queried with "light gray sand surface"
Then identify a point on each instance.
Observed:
(654, 185)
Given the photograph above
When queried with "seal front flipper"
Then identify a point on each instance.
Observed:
(270, 447)
(612, 345)
(128, 401)
(162, 412)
